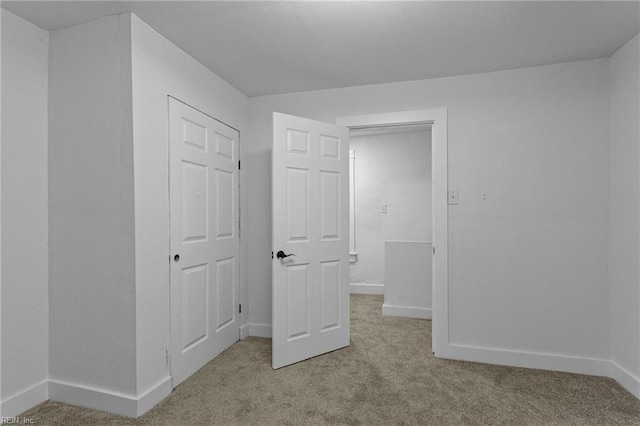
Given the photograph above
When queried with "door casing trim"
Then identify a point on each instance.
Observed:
(437, 117)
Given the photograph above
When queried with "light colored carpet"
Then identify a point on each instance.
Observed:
(387, 376)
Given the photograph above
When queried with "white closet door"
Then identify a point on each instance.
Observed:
(203, 185)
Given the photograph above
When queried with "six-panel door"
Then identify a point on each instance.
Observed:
(203, 185)
(310, 292)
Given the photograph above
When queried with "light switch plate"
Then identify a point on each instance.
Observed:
(383, 208)
(453, 197)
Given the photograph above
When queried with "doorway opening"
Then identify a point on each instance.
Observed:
(310, 234)
(437, 120)
(391, 217)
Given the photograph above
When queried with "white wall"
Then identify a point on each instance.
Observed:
(624, 228)
(110, 322)
(528, 263)
(25, 311)
(91, 206)
(391, 167)
(161, 69)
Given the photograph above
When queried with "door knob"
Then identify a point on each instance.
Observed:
(176, 257)
(281, 255)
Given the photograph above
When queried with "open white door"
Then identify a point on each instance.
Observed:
(203, 197)
(310, 287)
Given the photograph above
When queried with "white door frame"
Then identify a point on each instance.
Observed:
(439, 141)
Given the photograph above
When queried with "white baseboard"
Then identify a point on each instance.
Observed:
(542, 361)
(405, 311)
(626, 379)
(98, 399)
(105, 400)
(260, 330)
(244, 332)
(153, 396)
(366, 288)
(22, 401)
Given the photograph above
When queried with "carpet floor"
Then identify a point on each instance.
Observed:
(388, 376)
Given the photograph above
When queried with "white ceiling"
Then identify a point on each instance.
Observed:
(279, 47)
